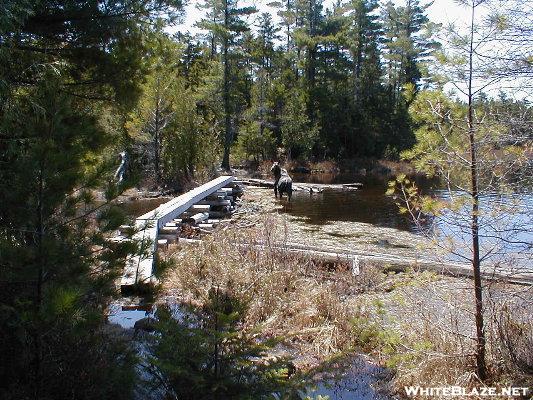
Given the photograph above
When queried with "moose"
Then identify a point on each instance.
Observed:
(282, 181)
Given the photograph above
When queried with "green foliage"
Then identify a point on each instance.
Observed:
(436, 117)
(298, 133)
(254, 143)
(100, 50)
(442, 147)
(371, 334)
(410, 201)
(202, 353)
(173, 136)
(69, 71)
(51, 306)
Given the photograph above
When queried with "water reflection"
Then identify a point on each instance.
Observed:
(360, 379)
(506, 221)
(138, 207)
(368, 204)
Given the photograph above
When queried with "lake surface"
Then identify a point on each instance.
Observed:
(506, 221)
(367, 204)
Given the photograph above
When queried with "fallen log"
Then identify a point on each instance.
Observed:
(303, 186)
(199, 208)
(206, 226)
(402, 264)
(169, 230)
(215, 202)
(197, 218)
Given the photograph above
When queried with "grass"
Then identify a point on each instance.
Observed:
(418, 324)
(286, 295)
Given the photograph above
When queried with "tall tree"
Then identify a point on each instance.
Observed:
(405, 45)
(226, 25)
(476, 148)
(64, 66)
(363, 39)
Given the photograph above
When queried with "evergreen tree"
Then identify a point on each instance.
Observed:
(58, 271)
(406, 47)
(405, 44)
(256, 138)
(299, 134)
(363, 39)
(202, 354)
(226, 26)
(67, 68)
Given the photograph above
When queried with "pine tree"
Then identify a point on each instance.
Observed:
(226, 27)
(363, 39)
(299, 134)
(67, 69)
(202, 354)
(58, 270)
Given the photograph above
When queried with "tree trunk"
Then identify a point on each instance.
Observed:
(478, 291)
(157, 136)
(37, 361)
(228, 135)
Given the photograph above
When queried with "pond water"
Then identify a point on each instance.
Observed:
(138, 207)
(367, 204)
(126, 312)
(506, 222)
(360, 379)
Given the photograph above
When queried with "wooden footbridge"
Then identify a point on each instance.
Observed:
(198, 207)
(206, 206)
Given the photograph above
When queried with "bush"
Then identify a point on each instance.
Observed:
(203, 354)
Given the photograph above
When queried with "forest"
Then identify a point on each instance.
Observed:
(349, 82)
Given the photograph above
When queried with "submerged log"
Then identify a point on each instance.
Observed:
(197, 218)
(303, 186)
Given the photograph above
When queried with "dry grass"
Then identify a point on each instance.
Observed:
(287, 295)
(420, 324)
(436, 344)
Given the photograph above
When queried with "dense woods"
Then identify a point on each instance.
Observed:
(81, 81)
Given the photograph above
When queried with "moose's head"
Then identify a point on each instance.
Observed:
(276, 170)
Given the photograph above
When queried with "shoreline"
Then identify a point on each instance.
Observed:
(396, 318)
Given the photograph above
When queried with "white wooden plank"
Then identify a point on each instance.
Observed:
(138, 269)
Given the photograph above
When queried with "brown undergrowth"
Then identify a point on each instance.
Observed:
(417, 323)
(291, 296)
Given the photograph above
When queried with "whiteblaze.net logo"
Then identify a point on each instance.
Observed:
(458, 391)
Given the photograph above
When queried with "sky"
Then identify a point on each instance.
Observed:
(441, 11)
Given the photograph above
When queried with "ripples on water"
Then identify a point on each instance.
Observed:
(368, 204)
